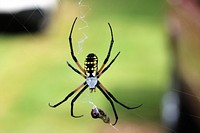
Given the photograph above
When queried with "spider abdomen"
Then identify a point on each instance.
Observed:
(91, 65)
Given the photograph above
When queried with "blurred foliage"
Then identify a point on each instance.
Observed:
(34, 70)
(137, 8)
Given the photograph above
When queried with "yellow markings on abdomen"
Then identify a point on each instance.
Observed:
(91, 65)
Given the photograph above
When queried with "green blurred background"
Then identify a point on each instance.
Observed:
(34, 70)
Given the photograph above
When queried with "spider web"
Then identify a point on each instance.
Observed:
(84, 10)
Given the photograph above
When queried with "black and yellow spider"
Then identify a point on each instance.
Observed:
(91, 73)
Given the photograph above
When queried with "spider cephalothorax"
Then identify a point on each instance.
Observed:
(91, 74)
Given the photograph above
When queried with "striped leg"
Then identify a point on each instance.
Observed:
(71, 48)
(77, 71)
(69, 95)
(110, 100)
(125, 106)
(109, 51)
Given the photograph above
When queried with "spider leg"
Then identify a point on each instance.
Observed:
(108, 65)
(69, 95)
(77, 71)
(71, 47)
(111, 102)
(116, 99)
(74, 99)
(109, 51)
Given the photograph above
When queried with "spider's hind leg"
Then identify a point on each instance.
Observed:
(109, 51)
(71, 47)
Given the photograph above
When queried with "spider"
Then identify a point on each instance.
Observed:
(91, 74)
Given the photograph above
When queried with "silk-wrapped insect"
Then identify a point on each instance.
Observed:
(99, 113)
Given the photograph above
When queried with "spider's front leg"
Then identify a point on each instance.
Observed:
(111, 102)
(109, 97)
(69, 95)
(125, 106)
(74, 99)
